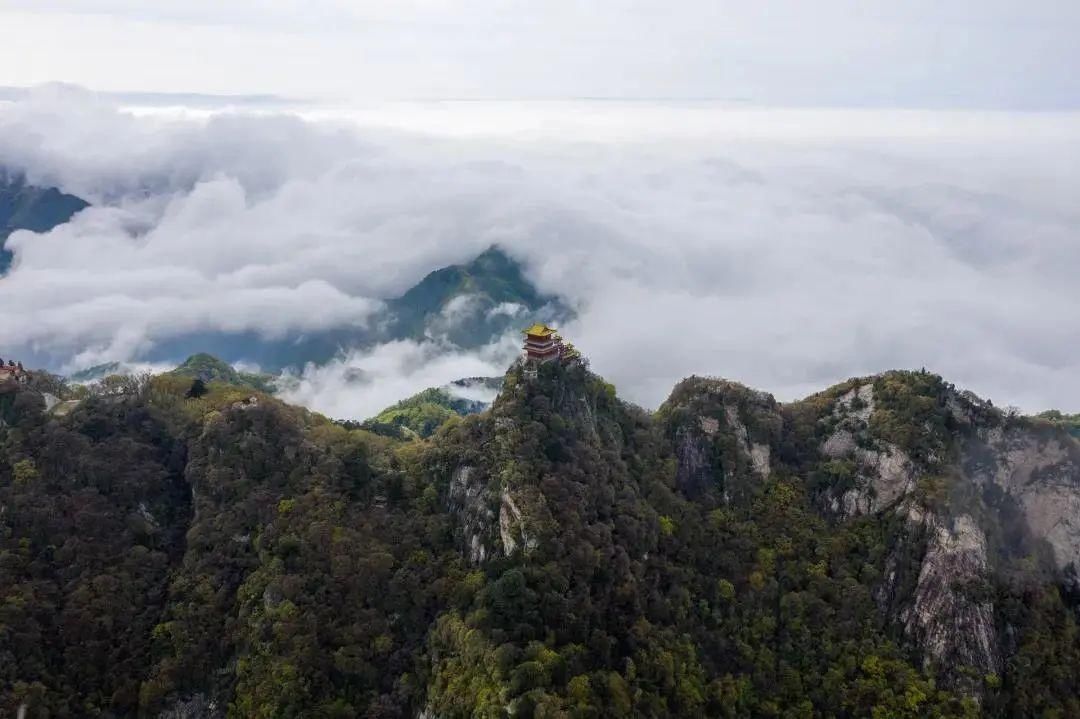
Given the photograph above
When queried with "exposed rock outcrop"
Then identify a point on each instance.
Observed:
(468, 502)
(723, 437)
(757, 452)
(1040, 469)
(694, 471)
(974, 469)
(514, 530)
(884, 473)
(950, 616)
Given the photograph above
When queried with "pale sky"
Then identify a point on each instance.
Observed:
(1001, 54)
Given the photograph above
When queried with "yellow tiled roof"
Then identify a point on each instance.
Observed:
(539, 330)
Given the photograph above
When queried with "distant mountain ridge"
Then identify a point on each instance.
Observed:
(469, 304)
(28, 207)
(465, 306)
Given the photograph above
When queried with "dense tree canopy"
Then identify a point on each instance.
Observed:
(233, 555)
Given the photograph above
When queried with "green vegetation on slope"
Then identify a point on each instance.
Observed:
(637, 601)
(1070, 422)
(423, 413)
(210, 369)
(159, 552)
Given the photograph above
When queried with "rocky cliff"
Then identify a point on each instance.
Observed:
(980, 493)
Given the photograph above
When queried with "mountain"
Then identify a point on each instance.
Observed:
(208, 368)
(889, 547)
(203, 366)
(99, 371)
(422, 414)
(26, 207)
(425, 412)
(466, 305)
(470, 304)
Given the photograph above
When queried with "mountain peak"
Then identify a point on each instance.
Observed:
(209, 368)
(471, 304)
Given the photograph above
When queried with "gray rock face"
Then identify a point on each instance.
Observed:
(884, 475)
(693, 471)
(1041, 471)
(513, 527)
(468, 502)
(493, 520)
(757, 452)
(858, 403)
(716, 448)
(1038, 467)
(943, 605)
(948, 617)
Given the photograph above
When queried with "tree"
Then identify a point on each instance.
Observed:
(198, 389)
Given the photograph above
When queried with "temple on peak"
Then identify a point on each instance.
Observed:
(13, 371)
(543, 344)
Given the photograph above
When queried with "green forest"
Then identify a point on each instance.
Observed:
(218, 553)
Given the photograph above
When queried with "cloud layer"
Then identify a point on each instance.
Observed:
(786, 249)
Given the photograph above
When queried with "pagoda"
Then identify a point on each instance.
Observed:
(542, 343)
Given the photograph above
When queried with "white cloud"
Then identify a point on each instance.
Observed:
(362, 384)
(786, 249)
(472, 391)
(459, 309)
(507, 309)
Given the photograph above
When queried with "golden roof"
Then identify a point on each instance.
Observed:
(539, 330)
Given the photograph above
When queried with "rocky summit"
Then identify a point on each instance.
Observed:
(889, 547)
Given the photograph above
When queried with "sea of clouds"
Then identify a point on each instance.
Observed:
(784, 248)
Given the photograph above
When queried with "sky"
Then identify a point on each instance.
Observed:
(1001, 54)
(780, 195)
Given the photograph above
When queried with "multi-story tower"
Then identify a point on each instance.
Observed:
(542, 343)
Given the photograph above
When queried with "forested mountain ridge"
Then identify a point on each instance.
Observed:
(890, 547)
(211, 369)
